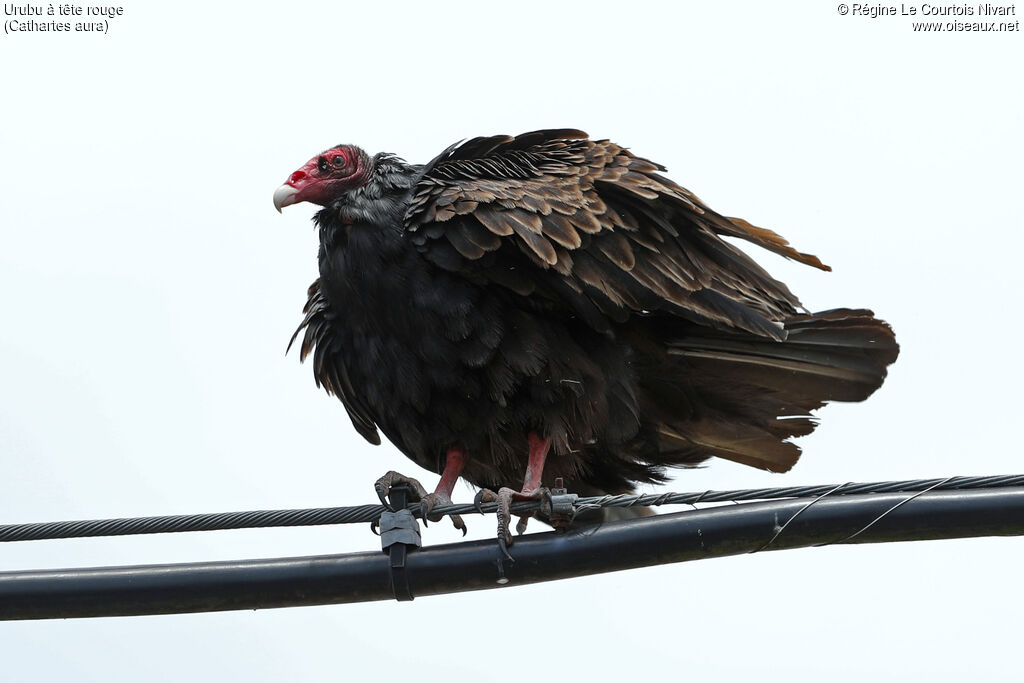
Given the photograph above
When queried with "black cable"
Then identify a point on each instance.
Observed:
(366, 576)
(370, 513)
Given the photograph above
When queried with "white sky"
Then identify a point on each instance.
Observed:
(148, 289)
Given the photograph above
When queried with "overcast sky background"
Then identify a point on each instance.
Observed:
(148, 289)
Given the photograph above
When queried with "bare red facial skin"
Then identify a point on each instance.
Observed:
(326, 176)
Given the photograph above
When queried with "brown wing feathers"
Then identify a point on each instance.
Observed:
(585, 210)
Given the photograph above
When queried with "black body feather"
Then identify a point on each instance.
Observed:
(553, 284)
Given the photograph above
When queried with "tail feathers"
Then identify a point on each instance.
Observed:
(745, 442)
(837, 355)
(739, 397)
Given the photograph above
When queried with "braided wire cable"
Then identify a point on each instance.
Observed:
(371, 513)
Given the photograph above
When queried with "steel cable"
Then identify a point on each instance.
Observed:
(370, 513)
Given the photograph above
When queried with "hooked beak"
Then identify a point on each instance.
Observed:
(284, 196)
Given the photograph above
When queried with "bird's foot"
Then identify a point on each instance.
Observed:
(504, 498)
(427, 501)
(427, 504)
(384, 485)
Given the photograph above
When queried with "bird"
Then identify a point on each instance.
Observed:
(546, 306)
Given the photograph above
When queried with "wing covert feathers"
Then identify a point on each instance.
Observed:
(616, 234)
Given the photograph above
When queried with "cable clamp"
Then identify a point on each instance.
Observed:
(399, 532)
(559, 506)
(399, 527)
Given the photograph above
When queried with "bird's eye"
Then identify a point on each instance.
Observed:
(323, 165)
(338, 160)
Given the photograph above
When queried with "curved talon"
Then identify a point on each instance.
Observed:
(384, 485)
(428, 503)
(383, 489)
(503, 545)
(478, 500)
(459, 524)
(521, 525)
(374, 528)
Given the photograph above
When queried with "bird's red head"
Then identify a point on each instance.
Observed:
(325, 177)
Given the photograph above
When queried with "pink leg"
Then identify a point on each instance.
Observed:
(532, 490)
(535, 465)
(454, 462)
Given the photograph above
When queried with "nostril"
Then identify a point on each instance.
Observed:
(297, 176)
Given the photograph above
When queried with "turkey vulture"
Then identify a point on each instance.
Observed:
(549, 306)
